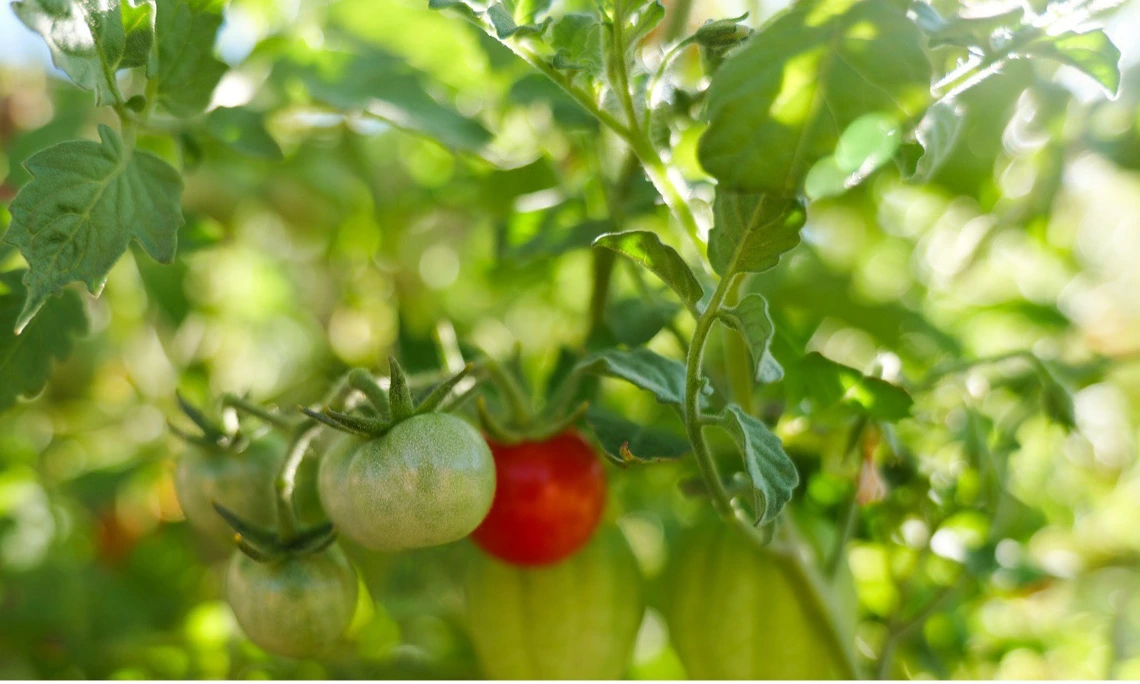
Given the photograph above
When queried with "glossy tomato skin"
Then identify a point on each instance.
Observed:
(295, 607)
(734, 613)
(242, 482)
(577, 619)
(429, 480)
(549, 500)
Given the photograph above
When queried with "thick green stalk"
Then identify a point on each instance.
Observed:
(694, 425)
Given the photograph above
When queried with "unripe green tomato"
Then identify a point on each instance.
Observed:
(242, 482)
(296, 607)
(576, 619)
(429, 480)
(735, 613)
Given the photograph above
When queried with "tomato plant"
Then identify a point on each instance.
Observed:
(549, 499)
(548, 622)
(851, 278)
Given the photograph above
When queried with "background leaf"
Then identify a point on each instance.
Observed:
(26, 359)
(1093, 53)
(624, 441)
(664, 378)
(186, 71)
(243, 130)
(779, 104)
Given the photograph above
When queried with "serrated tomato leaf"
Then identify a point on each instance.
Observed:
(645, 248)
(90, 41)
(1092, 52)
(751, 230)
(779, 103)
(633, 322)
(825, 383)
(626, 442)
(577, 38)
(84, 205)
(773, 475)
(750, 318)
(186, 70)
(385, 85)
(26, 359)
(243, 130)
(664, 378)
(937, 133)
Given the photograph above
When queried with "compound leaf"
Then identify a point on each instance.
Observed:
(84, 205)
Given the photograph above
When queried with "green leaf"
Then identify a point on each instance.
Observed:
(650, 371)
(243, 130)
(26, 359)
(865, 145)
(91, 41)
(722, 32)
(633, 322)
(750, 318)
(384, 84)
(186, 71)
(1092, 52)
(826, 383)
(626, 442)
(751, 231)
(138, 27)
(526, 11)
(646, 248)
(647, 19)
(577, 38)
(773, 475)
(1056, 399)
(505, 25)
(84, 205)
(464, 8)
(780, 103)
(938, 132)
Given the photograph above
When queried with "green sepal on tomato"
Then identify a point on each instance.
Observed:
(576, 619)
(404, 476)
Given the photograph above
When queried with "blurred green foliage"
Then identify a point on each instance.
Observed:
(458, 202)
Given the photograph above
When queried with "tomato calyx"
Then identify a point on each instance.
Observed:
(213, 437)
(265, 546)
(519, 422)
(385, 409)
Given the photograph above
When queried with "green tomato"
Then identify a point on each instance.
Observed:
(240, 481)
(429, 480)
(576, 619)
(296, 607)
(734, 611)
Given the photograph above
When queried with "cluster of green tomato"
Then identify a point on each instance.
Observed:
(554, 595)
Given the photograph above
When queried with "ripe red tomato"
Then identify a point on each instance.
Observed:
(548, 500)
